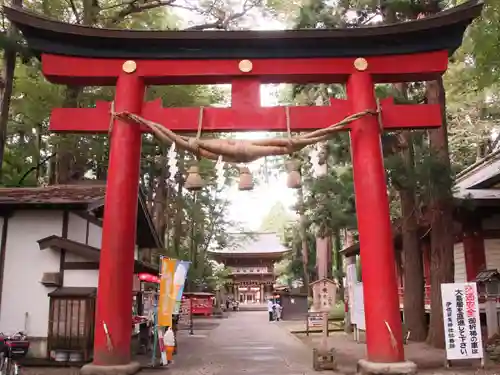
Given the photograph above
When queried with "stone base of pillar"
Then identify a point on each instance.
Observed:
(396, 368)
(128, 369)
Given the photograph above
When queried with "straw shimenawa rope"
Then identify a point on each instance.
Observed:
(241, 151)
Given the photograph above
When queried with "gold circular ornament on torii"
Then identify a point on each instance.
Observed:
(129, 66)
(361, 64)
(245, 66)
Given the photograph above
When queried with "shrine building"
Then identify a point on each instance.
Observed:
(250, 257)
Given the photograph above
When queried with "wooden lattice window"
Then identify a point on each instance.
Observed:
(68, 317)
(71, 320)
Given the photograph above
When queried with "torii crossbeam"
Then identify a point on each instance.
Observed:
(360, 58)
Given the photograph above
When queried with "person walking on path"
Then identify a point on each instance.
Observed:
(277, 310)
(270, 306)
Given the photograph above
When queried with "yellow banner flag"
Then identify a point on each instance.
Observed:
(166, 303)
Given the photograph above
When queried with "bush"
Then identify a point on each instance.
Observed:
(338, 311)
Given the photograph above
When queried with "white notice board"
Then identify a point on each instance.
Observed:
(351, 281)
(462, 326)
(359, 307)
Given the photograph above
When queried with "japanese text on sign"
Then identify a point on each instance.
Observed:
(461, 320)
(185, 311)
(324, 292)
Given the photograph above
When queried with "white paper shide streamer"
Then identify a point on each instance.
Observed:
(172, 162)
(219, 170)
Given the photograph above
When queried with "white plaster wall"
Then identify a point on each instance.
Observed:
(492, 253)
(25, 304)
(77, 231)
(95, 235)
(81, 278)
(77, 228)
(459, 259)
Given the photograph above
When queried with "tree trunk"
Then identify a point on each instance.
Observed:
(206, 239)
(414, 293)
(337, 259)
(150, 186)
(65, 145)
(53, 170)
(195, 231)
(69, 162)
(7, 82)
(179, 205)
(193, 244)
(441, 218)
(38, 153)
(102, 166)
(413, 270)
(169, 215)
(160, 197)
(303, 239)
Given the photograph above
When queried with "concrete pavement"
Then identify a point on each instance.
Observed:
(244, 343)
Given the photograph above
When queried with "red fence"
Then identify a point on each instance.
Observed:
(427, 296)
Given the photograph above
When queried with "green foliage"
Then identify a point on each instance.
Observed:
(292, 267)
(330, 201)
(337, 311)
(199, 221)
(482, 44)
(220, 277)
(472, 113)
(276, 220)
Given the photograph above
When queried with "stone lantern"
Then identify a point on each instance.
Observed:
(488, 283)
(488, 286)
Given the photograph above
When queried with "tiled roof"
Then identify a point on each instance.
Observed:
(54, 194)
(483, 170)
(253, 243)
(477, 194)
(475, 181)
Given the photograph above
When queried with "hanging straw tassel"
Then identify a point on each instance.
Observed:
(246, 180)
(294, 180)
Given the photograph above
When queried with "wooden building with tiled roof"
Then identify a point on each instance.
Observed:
(250, 257)
(49, 263)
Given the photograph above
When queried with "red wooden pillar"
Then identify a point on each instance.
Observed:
(114, 297)
(474, 253)
(383, 320)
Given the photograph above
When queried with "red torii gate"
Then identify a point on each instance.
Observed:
(362, 57)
